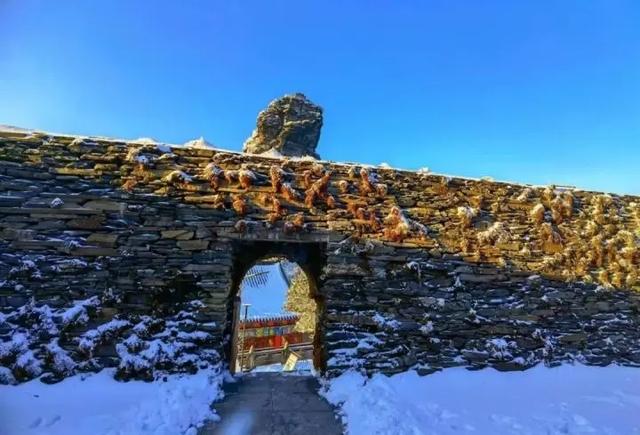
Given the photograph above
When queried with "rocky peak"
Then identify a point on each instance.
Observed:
(289, 126)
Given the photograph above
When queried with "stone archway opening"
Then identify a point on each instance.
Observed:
(277, 310)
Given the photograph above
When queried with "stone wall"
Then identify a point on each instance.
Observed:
(129, 255)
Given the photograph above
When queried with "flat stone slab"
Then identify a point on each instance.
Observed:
(273, 404)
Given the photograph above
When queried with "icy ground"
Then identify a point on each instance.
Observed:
(99, 405)
(303, 367)
(562, 400)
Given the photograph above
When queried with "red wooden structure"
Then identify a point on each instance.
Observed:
(271, 332)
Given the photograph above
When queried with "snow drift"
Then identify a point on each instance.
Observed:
(563, 400)
(98, 404)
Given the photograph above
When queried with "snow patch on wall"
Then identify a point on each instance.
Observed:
(44, 341)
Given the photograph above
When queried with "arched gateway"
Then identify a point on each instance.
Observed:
(310, 257)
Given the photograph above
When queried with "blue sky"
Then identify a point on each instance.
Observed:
(267, 299)
(531, 91)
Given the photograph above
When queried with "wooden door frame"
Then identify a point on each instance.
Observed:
(233, 362)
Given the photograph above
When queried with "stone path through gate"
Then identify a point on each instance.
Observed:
(274, 404)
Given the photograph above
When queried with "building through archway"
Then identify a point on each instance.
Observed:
(276, 318)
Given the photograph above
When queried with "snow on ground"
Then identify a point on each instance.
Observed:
(99, 405)
(563, 400)
(552, 401)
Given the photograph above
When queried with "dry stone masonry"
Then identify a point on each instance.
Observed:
(129, 255)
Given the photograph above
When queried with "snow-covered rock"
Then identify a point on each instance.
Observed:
(198, 143)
